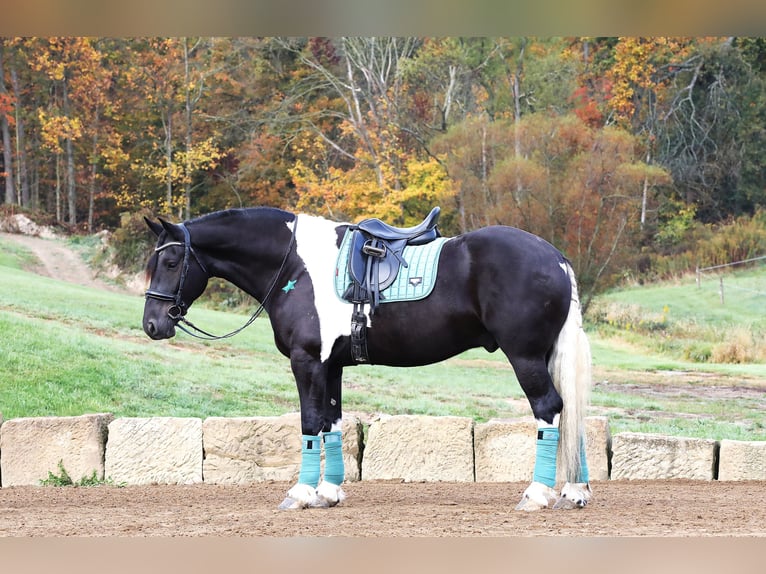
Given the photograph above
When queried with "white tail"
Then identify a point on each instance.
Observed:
(570, 368)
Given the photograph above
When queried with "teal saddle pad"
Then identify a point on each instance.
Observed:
(416, 281)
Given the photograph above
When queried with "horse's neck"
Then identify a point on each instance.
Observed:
(247, 249)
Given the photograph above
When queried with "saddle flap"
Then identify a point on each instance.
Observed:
(386, 267)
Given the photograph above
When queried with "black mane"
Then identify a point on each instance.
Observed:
(244, 211)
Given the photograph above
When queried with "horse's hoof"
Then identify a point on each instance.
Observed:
(573, 495)
(567, 504)
(318, 502)
(331, 494)
(291, 504)
(529, 505)
(536, 497)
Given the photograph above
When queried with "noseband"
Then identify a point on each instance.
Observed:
(177, 311)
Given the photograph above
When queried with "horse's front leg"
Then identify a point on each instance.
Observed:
(319, 389)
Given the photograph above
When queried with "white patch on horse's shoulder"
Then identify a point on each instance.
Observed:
(316, 243)
(564, 266)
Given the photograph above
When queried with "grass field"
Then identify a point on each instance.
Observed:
(69, 350)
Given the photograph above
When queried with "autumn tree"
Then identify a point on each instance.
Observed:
(354, 152)
(494, 129)
(58, 59)
(702, 138)
(577, 186)
(171, 80)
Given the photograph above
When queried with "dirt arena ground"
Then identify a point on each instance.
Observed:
(385, 509)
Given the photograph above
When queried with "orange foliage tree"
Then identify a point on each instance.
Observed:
(577, 186)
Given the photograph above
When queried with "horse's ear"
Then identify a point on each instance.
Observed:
(154, 226)
(172, 229)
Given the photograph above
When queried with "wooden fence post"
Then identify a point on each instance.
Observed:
(720, 279)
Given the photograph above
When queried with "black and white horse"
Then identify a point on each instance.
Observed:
(497, 287)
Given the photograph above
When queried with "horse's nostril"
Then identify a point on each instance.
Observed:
(151, 329)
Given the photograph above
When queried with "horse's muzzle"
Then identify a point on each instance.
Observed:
(158, 331)
(158, 323)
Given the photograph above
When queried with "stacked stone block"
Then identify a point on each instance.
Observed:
(31, 448)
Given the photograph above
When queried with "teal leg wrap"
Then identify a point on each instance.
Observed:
(583, 462)
(334, 472)
(545, 458)
(311, 449)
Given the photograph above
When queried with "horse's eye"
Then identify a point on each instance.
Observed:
(172, 264)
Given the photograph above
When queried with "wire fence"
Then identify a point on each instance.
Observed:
(730, 285)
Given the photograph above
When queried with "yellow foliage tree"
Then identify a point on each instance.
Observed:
(406, 196)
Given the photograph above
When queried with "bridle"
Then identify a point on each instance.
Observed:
(177, 311)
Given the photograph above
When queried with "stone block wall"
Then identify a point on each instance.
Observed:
(170, 450)
(505, 449)
(742, 460)
(254, 449)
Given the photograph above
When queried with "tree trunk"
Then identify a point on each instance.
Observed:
(188, 139)
(488, 207)
(10, 190)
(516, 85)
(93, 173)
(22, 176)
(70, 181)
(644, 195)
(167, 123)
(59, 217)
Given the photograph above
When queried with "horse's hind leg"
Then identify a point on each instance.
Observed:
(547, 405)
(559, 410)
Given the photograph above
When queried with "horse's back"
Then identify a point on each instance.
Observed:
(513, 256)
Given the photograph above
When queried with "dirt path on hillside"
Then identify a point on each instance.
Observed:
(674, 508)
(58, 261)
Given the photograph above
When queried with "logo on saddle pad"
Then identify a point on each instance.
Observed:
(408, 276)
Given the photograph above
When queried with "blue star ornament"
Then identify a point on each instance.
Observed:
(290, 286)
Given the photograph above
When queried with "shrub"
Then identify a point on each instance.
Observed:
(705, 245)
(739, 346)
(132, 242)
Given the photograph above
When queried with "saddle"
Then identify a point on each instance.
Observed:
(374, 262)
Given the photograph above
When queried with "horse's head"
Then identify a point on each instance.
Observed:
(177, 277)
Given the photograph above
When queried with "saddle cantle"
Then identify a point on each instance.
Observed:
(375, 258)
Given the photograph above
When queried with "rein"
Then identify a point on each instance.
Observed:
(177, 311)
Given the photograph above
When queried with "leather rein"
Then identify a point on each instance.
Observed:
(177, 311)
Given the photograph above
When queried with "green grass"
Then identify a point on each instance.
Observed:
(680, 320)
(70, 350)
(682, 362)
